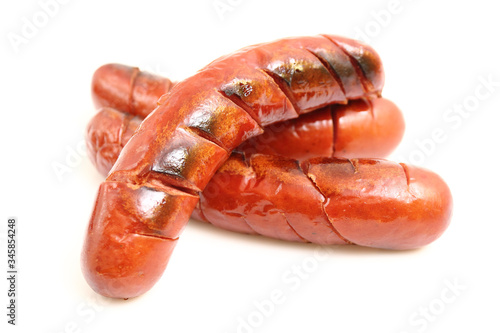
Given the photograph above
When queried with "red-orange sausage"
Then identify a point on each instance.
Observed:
(150, 193)
(362, 128)
(128, 89)
(369, 202)
(107, 133)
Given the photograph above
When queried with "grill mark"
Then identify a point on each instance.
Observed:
(173, 179)
(205, 135)
(367, 85)
(303, 239)
(155, 236)
(240, 103)
(156, 183)
(330, 70)
(408, 180)
(293, 229)
(249, 225)
(323, 205)
(202, 213)
(407, 174)
(284, 87)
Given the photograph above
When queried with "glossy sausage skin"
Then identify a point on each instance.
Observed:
(128, 89)
(368, 202)
(361, 128)
(106, 135)
(152, 189)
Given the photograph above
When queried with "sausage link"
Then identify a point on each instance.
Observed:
(107, 133)
(152, 188)
(382, 204)
(368, 202)
(128, 89)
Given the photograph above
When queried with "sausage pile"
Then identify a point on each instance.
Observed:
(282, 139)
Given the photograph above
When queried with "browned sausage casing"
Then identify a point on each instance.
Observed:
(368, 202)
(152, 189)
(128, 89)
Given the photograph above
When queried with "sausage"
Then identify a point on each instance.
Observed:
(106, 135)
(361, 128)
(128, 89)
(152, 188)
(382, 204)
(368, 202)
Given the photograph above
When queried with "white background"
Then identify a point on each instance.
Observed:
(435, 56)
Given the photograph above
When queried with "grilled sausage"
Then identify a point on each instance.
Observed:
(368, 202)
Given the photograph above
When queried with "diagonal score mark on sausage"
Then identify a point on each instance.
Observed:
(283, 86)
(313, 182)
(330, 69)
(408, 179)
(156, 236)
(362, 63)
(236, 99)
(367, 86)
(273, 194)
(293, 229)
(266, 213)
